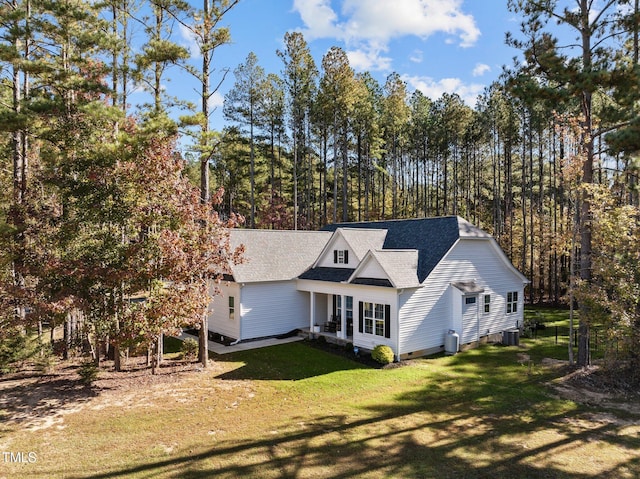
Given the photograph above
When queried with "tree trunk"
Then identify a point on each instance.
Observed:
(117, 364)
(160, 348)
(203, 350)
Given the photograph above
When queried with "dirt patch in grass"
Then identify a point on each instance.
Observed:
(593, 387)
(39, 401)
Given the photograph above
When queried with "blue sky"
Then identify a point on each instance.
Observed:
(436, 46)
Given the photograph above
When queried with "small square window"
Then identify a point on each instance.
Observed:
(341, 256)
(470, 300)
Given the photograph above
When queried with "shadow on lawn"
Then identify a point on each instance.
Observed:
(459, 424)
(292, 362)
(28, 403)
(396, 452)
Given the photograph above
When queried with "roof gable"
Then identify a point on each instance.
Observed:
(431, 237)
(355, 240)
(399, 267)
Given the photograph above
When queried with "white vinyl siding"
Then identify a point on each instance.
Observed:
(219, 320)
(259, 310)
(427, 314)
(330, 256)
(273, 308)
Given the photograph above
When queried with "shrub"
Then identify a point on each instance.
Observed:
(382, 354)
(14, 348)
(189, 348)
(44, 360)
(88, 372)
(348, 348)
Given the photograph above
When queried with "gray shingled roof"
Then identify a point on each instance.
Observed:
(400, 265)
(432, 237)
(335, 275)
(468, 287)
(274, 255)
(361, 241)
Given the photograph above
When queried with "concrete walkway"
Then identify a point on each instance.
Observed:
(262, 343)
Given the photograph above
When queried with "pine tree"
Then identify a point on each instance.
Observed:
(574, 76)
(299, 77)
(242, 105)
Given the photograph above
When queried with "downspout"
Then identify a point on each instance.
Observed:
(478, 318)
(397, 308)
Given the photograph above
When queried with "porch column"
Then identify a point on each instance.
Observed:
(312, 308)
(342, 334)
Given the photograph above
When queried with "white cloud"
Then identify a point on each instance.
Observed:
(416, 56)
(435, 88)
(216, 100)
(319, 18)
(189, 42)
(367, 26)
(369, 57)
(480, 69)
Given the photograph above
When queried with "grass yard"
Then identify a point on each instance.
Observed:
(296, 411)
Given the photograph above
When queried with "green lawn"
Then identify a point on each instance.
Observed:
(295, 411)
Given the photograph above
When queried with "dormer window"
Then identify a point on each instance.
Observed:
(341, 256)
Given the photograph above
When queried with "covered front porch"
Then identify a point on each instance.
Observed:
(331, 315)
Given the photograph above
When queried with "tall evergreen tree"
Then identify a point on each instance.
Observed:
(242, 105)
(337, 85)
(299, 77)
(209, 35)
(395, 118)
(574, 74)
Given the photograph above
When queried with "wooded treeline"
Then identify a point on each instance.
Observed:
(98, 218)
(311, 144)
(335, 145)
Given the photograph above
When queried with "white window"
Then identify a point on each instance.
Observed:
(232, 307)
(340, 256)
(470, 300)
(487, 303)
(512, 302)
(374, 319)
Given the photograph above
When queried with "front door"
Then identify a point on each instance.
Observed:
(469, 319)
(347, 309)
(349, 314)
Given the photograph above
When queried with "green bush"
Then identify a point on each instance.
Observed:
(189, 348)
(382, 354)
(14, 348)
(45, 360)
(88, 372)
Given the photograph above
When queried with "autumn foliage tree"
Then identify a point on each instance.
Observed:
(176, 248)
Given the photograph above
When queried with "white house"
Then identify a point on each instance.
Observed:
(260, 299)
(403, 283)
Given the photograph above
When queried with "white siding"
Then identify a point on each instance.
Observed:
(273, 308)
(372, 269)
(338, 243)
(428, 313)
(219, 320)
